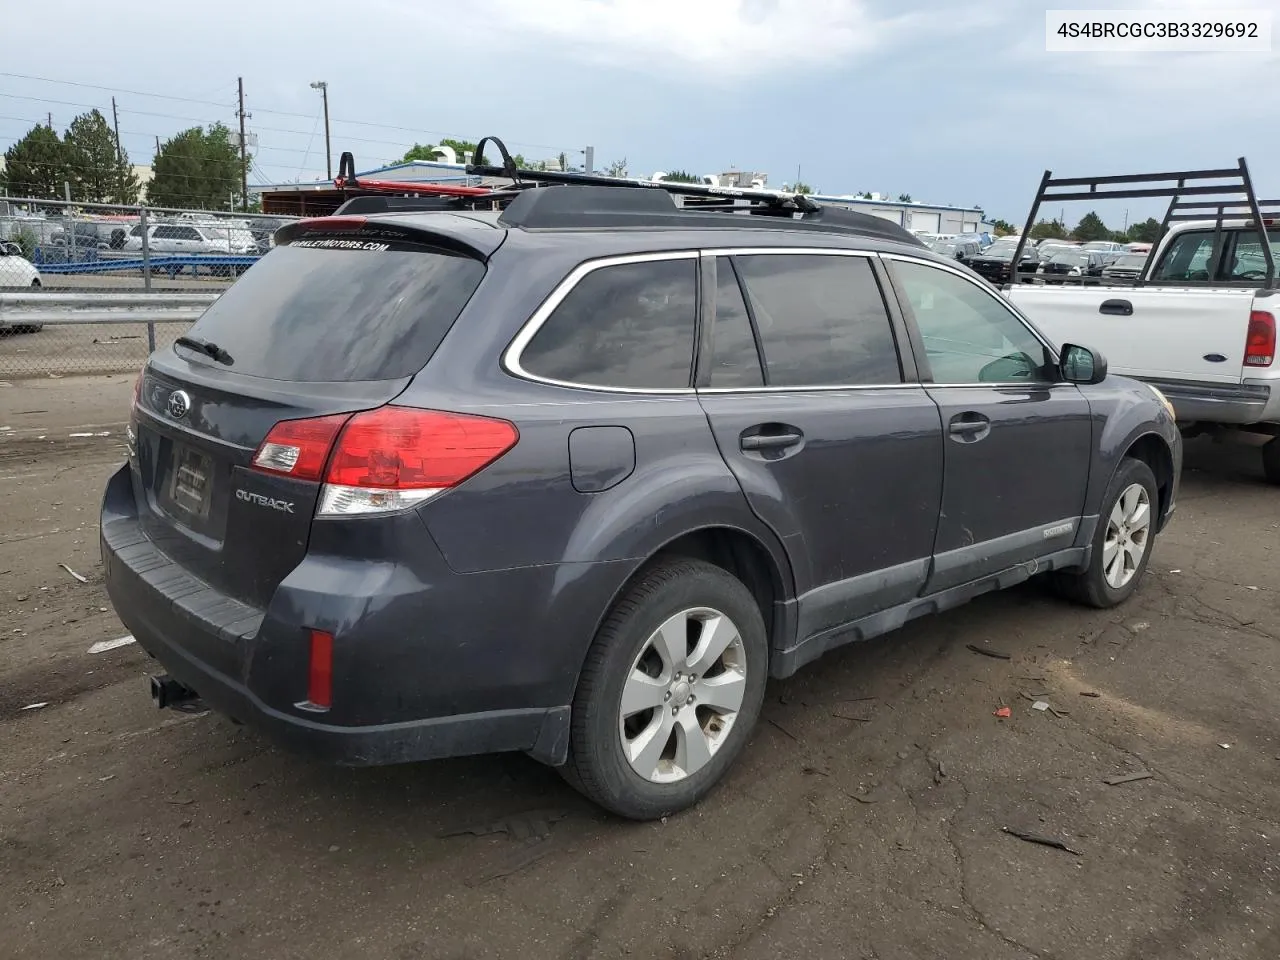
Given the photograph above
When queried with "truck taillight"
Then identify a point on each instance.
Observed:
(1260, 344)
(386, 459)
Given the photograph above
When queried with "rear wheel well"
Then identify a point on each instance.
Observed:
(737, 553)
(1154, 452)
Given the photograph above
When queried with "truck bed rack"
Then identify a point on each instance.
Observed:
(1216, 195)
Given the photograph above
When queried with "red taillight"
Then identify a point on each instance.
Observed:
(299, 448)
(320, 673)
(1260, 345)
(384, 459)
(402, 449)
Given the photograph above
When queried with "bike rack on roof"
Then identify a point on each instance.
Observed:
(1177, 185)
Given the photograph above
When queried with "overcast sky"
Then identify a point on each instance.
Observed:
(953, 102)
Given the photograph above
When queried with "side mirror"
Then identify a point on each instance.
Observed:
(1081, 365)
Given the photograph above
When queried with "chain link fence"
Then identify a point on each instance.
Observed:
(115, 259)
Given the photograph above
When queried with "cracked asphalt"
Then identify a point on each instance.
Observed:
(868, 819)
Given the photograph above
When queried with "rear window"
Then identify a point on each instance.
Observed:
(317, 314)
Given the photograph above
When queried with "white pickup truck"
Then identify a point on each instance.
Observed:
(1199, 324)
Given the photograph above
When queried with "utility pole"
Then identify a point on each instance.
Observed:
(49, 117)
(115, 122)
(244, 161)
(323, 87)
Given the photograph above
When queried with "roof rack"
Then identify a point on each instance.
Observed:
(600, 202)
(1216, 192)
(618, 202)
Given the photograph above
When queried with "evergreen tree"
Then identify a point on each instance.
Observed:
(36, 166)
(98, 166)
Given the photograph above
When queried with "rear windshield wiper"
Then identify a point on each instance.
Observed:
(207, 347)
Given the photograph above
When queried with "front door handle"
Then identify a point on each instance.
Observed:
(769, 441)
(1116, 308)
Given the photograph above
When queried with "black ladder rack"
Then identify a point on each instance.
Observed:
(1216, 197)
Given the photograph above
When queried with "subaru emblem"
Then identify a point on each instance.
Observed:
(178, 404)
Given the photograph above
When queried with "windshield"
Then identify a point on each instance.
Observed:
(1133, 260)
(316, 314)
(1073, 259)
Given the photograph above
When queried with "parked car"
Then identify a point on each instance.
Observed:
(1072, 263)
(1105, 246)
(955, 249)
(1138, 247)
(427, 484)
(994, 262)
(1127, 267)
(17, 273)
(1198, 321)
(194, 238)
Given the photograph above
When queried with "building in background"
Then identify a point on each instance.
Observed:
(916, 217)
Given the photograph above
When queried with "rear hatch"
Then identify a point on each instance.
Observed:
(336, 319)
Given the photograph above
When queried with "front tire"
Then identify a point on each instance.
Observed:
(670, 691)
(1123, 541)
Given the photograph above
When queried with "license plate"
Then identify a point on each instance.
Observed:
(189, 486)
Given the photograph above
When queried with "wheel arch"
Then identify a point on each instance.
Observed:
(1153, 450)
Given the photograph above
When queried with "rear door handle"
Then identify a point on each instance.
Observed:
(1116, 308)
(969, 427)
(769, 441)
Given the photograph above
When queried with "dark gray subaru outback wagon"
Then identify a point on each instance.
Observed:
(577, 477)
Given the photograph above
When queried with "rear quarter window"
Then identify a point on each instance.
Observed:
(346, 312)
(625, 325)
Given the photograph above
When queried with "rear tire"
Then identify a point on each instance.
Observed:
(670, 691)
(1271, 460)
(1123, 542)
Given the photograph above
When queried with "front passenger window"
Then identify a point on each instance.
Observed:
(969, 335)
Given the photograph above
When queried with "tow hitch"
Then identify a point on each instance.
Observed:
(168, 692)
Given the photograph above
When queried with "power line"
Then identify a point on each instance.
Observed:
(132, 93)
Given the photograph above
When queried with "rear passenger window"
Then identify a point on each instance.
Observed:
(734, 359)
(822, 320)
(1188, 257)
(629, 325)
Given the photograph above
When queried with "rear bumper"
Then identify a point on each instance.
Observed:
(1254, 401)
(426, 663)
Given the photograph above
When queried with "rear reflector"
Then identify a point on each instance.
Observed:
(299, 448)
(320, 674)
(395, 457)
(1260, 345)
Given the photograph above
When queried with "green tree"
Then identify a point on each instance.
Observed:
(1090, 228)
(196, 168)
(801, 187)
(36, 166)
(1003, 227)
(681, 176)
(904, 198)
(99, 167)
(617, 169)
(1049, 230)
(1145, 232)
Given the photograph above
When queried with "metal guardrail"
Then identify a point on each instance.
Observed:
(32, 309)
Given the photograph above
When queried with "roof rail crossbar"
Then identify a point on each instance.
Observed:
(796, 200)
(1232, 183)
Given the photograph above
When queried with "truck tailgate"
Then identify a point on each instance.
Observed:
(1171, 333)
